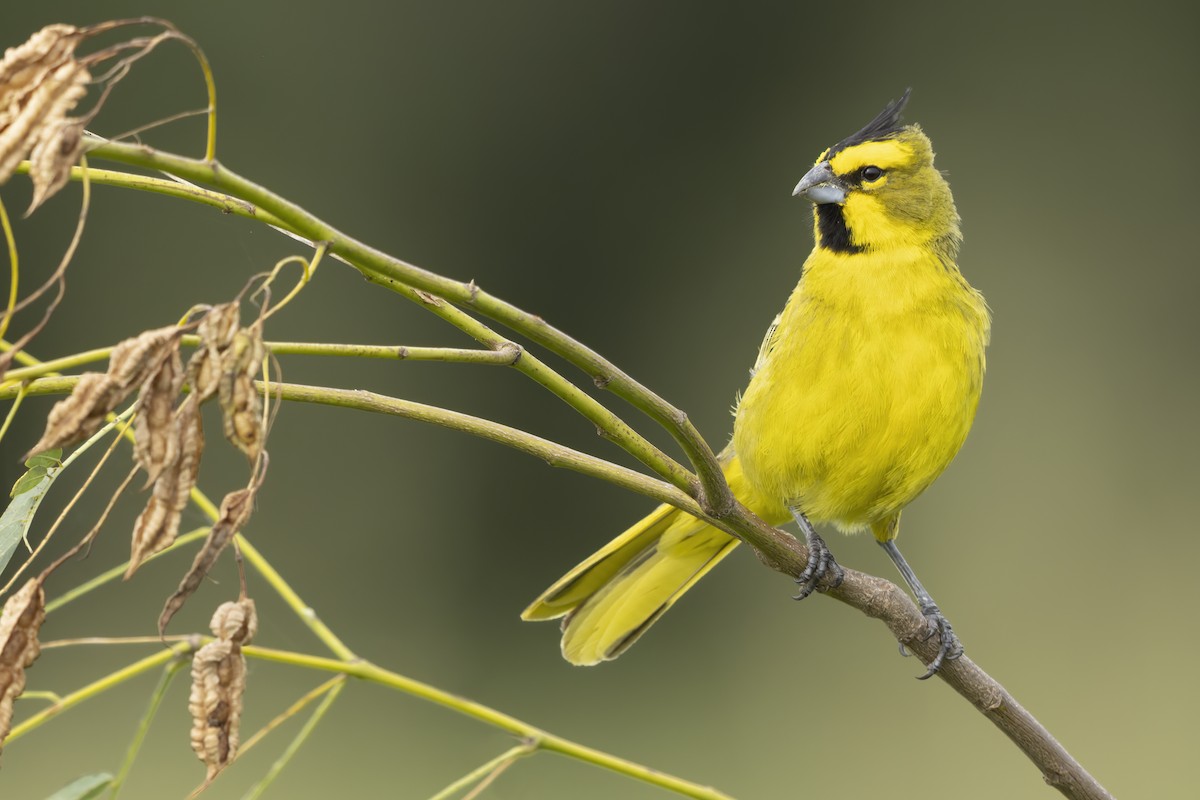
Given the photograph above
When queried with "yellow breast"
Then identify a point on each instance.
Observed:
(868, 387)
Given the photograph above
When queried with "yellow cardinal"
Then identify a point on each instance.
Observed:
(863, 392)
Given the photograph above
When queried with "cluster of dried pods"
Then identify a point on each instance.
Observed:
(42, 83)
(169, 442)
(43, 80)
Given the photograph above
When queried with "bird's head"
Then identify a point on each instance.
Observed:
(877, 190)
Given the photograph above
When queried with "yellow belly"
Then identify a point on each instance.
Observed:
(867, 390)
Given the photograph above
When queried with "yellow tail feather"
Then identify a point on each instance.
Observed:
(613, 597)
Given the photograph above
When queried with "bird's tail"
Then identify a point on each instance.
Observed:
(610, 599)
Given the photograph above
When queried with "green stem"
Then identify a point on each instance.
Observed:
(612, 425)
(41, 386)
(98, 687)
(12, 412)
(607, 423)
(253, 557)
(289, 712)
(379, 265)
(309, 726)
(305, 612)
(160, 691)
(118, 571)
(458, 355)
(224, 203)
(546, 741)
(554, 454)
(57, 365)
(484, 770)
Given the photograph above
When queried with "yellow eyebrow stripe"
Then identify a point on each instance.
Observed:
(883, 154)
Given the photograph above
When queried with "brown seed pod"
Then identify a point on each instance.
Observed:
(234, 513)
(137, 358)
(19, 624)
(79, 415)
(216, 332)
(241, 408)
(157, 443)
(40, 83)
(219, 685)
(158, 525)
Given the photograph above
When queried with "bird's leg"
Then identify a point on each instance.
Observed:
(950, 647)
(820, 560)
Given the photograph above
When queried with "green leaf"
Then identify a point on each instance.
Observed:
(16, 519)
(27, 481)
(47, 458)
(85, 788)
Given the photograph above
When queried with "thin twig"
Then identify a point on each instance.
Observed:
(294, 747)
(546, 741)
(289, 712)
(99, 687)
(116, 572)
(156, 697)
(485, 773)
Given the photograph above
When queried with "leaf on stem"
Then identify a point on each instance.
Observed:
(234, 513)
(27, 495)
(40, 83)
(19, 624)
(85, 788)
(158, 524)
(219, 685)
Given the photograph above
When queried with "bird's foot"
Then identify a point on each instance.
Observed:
(949, 647)
(821, 564)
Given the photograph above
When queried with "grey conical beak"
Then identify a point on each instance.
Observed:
(820, 185)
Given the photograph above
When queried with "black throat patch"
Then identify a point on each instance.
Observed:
(832, 233)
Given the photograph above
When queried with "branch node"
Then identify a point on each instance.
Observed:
(427, 298)
(992, 699)
(515, 349)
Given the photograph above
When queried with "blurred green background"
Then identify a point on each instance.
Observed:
(624, 170)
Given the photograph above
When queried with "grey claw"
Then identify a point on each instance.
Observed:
(950, 648)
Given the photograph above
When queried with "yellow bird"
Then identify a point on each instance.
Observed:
(863, 392)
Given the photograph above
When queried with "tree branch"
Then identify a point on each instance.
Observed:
(873, 596)
(715, 494)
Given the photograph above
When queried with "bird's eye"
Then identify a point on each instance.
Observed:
(871, 173)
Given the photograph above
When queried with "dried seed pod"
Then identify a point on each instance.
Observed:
(137, 358)
(234, 513)
(235, 622)
(40, 81)
(59, 142)
(216, 332)
(78, 416)
(157, 443)
(158, 524)
(240, 405)
(19, 624)
(219, 685)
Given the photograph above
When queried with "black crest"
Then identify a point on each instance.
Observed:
(886, 125)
